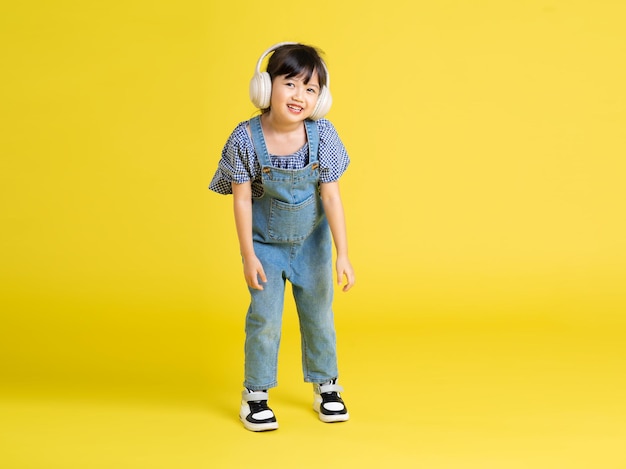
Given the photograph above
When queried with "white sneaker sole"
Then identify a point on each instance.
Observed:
(258, 427)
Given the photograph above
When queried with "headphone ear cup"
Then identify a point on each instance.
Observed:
(322, 107)
(261, 90)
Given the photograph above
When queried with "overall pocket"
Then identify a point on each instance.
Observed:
(292, 222)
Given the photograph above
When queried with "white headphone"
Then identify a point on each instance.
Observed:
(261, 87)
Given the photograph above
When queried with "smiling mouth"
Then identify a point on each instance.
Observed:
(295, 108)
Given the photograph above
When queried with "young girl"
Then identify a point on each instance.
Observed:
(282, 168)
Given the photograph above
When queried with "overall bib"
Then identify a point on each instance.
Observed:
(293, 242)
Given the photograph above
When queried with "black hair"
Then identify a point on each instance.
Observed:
(295, 60)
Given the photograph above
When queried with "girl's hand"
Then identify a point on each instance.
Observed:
(253, 271)
(344, 269)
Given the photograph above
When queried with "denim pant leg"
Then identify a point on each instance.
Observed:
(264, 320)
(312, 282)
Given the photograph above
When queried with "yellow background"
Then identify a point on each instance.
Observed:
(485, 205)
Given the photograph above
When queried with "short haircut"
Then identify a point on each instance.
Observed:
(294, 60)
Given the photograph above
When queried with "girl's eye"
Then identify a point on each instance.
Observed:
(312, 90)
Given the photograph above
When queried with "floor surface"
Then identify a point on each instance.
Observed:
(428, 393)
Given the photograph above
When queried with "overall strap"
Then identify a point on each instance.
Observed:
(259, 142)
(313, 136)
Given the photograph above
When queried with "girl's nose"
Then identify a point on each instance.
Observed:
(297, 93)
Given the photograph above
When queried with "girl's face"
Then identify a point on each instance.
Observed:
(292, 99)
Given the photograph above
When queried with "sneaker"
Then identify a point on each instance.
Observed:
(328, 403)
(254, 413)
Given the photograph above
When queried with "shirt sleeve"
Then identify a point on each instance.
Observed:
(333, 157)
(237, 164)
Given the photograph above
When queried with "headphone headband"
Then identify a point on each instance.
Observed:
(271, 49)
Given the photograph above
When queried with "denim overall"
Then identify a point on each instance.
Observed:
(292, 240)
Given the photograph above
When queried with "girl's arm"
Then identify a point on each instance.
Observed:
(331, 199)
(242, 205)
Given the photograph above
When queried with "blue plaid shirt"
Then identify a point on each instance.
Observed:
(239, 162)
